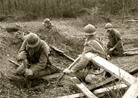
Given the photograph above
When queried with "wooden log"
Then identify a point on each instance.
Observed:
(83, 88)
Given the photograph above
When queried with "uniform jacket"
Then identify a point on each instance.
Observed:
(37, 55)
(115, 40)
(53, 29)
(92, 46)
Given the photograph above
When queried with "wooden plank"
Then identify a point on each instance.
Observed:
(73, 96)
(98, 92)
(121, 74)
(133, 49)
(107, 89)
(100, 84)
(130, 53)
(132, 92)
(111, 79)
(83, 88)
(114, 70)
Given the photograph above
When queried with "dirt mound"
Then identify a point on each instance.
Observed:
(9, 46)
(68, 45)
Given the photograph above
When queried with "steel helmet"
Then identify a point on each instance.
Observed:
(108, 25)
(89, 30)
(46, 20)
(32, 40)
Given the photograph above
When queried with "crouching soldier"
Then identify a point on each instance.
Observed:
(85, 69)
(115, 45)
(34, 54)
(51, 28)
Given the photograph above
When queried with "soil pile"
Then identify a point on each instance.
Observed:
(14, 87)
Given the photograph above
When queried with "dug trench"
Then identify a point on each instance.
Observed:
(9, 46)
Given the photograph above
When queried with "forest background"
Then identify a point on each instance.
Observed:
(36, 9)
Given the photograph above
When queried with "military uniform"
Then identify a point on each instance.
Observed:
(82, 68)
(115, 41)
(52, 29)
(36, 59)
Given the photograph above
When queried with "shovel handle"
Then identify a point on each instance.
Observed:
(78, 58)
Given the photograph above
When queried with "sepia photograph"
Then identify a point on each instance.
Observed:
(68, 48)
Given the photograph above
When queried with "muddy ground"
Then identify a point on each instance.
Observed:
(70, 40)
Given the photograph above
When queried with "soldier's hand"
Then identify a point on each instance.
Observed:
(67, 71)
(21, 56)
(111, 49)
(28, 72)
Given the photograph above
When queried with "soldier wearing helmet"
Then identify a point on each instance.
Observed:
(115, 45)
(50, 27)
(84, 68)
(34, 54)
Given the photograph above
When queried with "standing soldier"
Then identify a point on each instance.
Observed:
(85, 68)
(115, 45)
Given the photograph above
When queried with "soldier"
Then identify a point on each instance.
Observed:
(85, 68)
(115, 45)
(49, 26)
(34, 54)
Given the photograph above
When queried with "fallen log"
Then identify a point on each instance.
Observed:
(60, 52)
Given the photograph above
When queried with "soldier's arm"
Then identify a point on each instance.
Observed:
(22, 52)
(83, 61)
(42, 64)
(118, 39)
